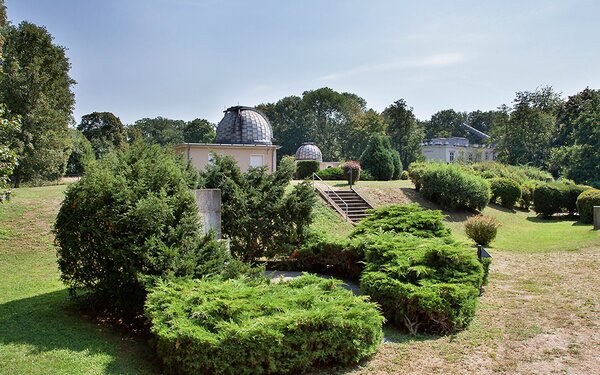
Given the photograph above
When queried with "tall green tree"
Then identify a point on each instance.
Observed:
(36, 85)
(378, 158)
(160, 130)
(363, 126)
(446, 123)
(82, 152)
(199, 131)
(105, 132)
(524, 134)
(405, 132)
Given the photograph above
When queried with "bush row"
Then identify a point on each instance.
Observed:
(239, 327)
(585, 204)
(556, 197)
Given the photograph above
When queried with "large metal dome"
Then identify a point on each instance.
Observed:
(309, 151)
(244, 125)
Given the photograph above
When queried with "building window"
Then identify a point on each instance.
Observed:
(451, 156)
(257, 161)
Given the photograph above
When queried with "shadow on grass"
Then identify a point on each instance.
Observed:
(502, 208)
(48, 322)
(554, 219)
(396, 336)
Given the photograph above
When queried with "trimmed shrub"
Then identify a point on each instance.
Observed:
(331, 174)
(397, 164)
(482, 229)
(415, 172)
(454, 188)
(570, 198)
(353, 166)
(366, 176)
(409, 218)
(132, 216)
(236, 327)
(305, 168)
(556, 197)
(325, 255)
(527, 194)
(506, 189)
(421, 284)
(519, 173)
(585, 205)
(404, 175)
(377, 158)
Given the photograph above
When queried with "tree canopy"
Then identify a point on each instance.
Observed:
(104, 131)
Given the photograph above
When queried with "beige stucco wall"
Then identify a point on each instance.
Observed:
(199, 154)
(329, 164)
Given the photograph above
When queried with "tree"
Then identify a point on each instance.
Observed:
(524, 134)
(405, 132)
(482, 121)
(258, 217)
(199, 131)
(36, 85)
(8, 158)
(446, 123)
(81, 153)
(160, 130)
(363, 125)
(377, 158)
(104, 131)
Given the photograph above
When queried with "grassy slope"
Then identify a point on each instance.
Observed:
(40, 333)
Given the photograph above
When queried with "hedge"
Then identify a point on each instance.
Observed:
(305, 168)
(415, 172)
(409, 218)
(453, 188)
(506, 189)
(237, 327)
(428, 285)
(519, 173)
(585, 205)
(326, 255)
(331, 174)
(556, 197)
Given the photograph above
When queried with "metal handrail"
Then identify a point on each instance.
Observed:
(328, 190)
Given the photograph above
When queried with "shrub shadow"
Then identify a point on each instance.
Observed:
(49, 322)
(554, 219)
(502, 208)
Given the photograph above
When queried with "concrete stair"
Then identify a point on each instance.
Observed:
(356, 204)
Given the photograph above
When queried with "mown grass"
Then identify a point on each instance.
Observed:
(40, 330)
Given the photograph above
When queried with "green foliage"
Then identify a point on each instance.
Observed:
(362, 126)
(352, 169)
(239, 327)
(482, 229)
(331, 174)
(408, 218)
(168, 132)
(453, 188)
(556, 197)
(415, 172)
(527, 190)
(446, 123)
(306, 168)
(422, 284)
(8, 158)
(132, 216)
(519, 173)
(397, 164)
(405, 132)
(404, 175)
(506, 189)
(104, 131)
(377, 158)
(36, 86)
(322, 254)
(585, 205)
(257, 216)
(199, 131)
(81, 153)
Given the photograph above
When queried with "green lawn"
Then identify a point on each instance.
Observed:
(40, 332)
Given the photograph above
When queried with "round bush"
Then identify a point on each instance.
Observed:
(526, 195)
(237, 327)
(585, 205)
(130, 216)
(548, 199)
(481, 229)
(377, 158)
(415, 172)
(404, 175)
(305, 168)
(353, 166)
(506, 189)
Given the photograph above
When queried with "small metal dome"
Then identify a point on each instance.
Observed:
(309, 151)
(244, 125)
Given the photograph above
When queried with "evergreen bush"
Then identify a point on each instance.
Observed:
(422, 284)
(331, 174)
(326, 255)
(130, 217)
(556, 197)
(404, 175)
(377, 158)
(408, 218)
(397, 164)
(305, 168)
(585, 205)
(454, 188)
(506, 189)
(527, 194)
(415, 172)
(238, 327)
(482, 229)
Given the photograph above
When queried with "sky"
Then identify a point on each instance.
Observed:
(186, 59)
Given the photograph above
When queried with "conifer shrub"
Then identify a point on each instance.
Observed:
(453, 188)
(353, 166)
(131, 217)
(322, 254)
(305, 168)
(408, 218)
(505, 189)
(331, 174)
(378, 159)
(482, 229)
(239, 327)
(422, 284)
(397, 164)
(585, 205)
(415, 172)
(404, 175)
